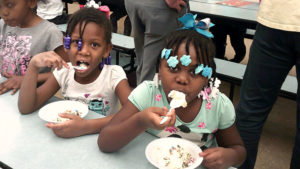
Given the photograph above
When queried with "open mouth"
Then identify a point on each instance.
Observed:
(81, 65)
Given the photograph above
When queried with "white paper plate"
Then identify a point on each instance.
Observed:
(50, 111)
(158, 149)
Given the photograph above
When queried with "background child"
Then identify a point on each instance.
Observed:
(186, 65)
(89, 42)
(23, 34)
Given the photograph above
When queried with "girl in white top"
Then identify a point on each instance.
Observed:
(88, 41)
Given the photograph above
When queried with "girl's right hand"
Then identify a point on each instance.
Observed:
(48, 59)
(152, 116)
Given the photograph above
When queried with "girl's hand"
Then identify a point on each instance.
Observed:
(48, 59)
(13, 83)
(152, 116)
(71, 128)
(216, 158)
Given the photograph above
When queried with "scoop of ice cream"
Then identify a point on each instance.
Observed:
(178, 99)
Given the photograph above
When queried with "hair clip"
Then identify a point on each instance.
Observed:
(185, 60)
(172, 61)
(207, 72)
(165, 53)
(105, 61)
(67, 42)
(199, 68)
(104, 8)
(189, 22)
(79, 44)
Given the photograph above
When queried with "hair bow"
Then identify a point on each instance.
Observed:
(92, 3)
(189, 22)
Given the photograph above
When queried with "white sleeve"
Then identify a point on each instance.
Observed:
(117, 74)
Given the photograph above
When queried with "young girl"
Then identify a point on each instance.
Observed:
(186, 65)
(88, 41)
(23, 34)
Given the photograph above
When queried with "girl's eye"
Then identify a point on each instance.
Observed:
(94, 45)
(9, 5)
(174, 69)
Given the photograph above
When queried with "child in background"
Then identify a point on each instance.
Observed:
(24, 34)
(186, 65)
(87, 43)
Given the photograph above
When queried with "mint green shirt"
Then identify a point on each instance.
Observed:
(201, 130)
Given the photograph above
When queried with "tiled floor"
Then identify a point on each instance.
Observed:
(277, 139)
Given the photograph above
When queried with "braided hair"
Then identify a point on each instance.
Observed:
(205, 48)
(87, 15)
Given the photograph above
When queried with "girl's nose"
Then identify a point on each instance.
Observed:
(84, 50)
(3, 12)
(182, 78)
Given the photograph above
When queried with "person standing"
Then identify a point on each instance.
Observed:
(151, 21)
(274, 51)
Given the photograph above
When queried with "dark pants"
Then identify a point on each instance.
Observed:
(272, 55)
(236, 34)
(119, 10)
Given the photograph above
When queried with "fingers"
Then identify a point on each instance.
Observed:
(5, 87)
(55, 126)
(69, 116)
(7, 75)
(48, 59)
(14, 91)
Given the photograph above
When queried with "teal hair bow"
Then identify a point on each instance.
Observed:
(189, 22)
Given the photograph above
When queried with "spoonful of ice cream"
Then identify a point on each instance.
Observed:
(178, 99)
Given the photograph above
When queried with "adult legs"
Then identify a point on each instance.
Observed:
(295, 162)
(220, 35)
(127, 26)
(138, 29)
(270, 60)
(237, 34)
(155, 31)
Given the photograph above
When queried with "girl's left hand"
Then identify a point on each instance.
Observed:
(215, 158)
(13, 83)
(68, 129)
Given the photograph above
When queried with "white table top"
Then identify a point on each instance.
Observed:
(26, 143)
(245, 13)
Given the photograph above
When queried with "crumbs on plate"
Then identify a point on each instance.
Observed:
(177, 158)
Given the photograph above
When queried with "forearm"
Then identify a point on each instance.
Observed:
(42, 77)
(115, 136)
(238, 155)
(27, 95)
(93, 126)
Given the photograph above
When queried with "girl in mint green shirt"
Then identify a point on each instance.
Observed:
(186, 64)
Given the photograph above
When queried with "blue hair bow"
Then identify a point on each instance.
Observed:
(189, 22)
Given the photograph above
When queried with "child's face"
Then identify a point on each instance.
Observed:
(94, 48)
(14, 12)
(182, 78)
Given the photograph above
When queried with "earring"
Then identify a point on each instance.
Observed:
(67, 42)
(156, 80)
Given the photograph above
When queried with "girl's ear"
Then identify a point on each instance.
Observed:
(108, 49)
(32, 3)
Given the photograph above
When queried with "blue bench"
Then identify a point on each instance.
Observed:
(233, 73)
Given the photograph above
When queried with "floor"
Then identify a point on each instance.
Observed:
(277, 139)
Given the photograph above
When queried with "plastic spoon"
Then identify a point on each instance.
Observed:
(79, 67)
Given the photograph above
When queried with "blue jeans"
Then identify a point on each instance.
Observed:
(272, 55)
